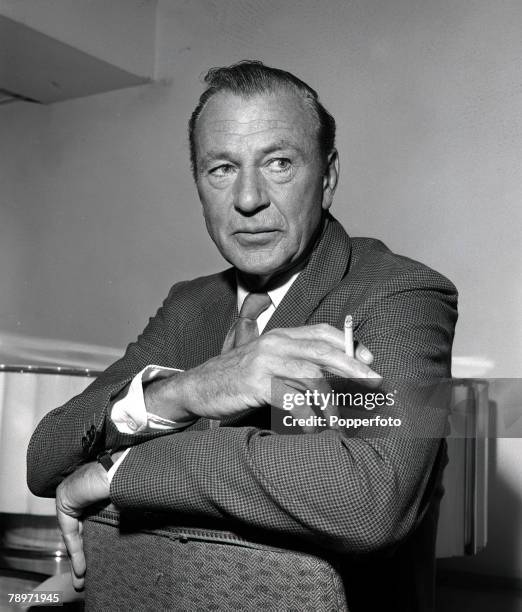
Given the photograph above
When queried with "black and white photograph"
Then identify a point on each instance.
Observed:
(260, 305)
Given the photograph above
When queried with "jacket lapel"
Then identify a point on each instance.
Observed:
(325, 269)
(205, 333)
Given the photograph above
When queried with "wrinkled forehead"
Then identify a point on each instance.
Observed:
(247, 127)
(282, 114)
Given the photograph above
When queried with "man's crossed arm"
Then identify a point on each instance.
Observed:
(226, 385)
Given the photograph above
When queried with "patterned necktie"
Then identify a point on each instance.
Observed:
(245, 328)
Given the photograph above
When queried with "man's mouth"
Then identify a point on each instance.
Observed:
(257, 236)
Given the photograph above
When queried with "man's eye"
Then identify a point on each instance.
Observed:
(222, 171)
(280, 165)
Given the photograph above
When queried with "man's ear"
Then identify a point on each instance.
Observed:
(330, 178)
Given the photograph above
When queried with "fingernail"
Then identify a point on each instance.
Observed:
(372, 374)
(365, 354)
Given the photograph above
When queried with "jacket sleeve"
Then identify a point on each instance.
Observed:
(77, 431)
(353, 494)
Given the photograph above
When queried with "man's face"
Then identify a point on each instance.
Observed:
(261, 179)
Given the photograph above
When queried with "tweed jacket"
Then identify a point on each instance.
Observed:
(352, 495)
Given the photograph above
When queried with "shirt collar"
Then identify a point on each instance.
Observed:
(276, 295)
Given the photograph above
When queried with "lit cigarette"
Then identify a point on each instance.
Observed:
(348, 335)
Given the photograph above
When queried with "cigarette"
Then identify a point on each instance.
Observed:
(348, 335)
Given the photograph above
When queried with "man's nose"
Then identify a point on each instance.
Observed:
(250, 194)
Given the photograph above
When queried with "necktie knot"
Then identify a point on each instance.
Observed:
(245, 328)
(253, 305)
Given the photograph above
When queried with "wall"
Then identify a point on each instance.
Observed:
(99, 215)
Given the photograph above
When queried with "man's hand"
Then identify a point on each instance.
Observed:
(86, 486)
(241, 379)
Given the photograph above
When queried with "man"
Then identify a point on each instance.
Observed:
(266, 169)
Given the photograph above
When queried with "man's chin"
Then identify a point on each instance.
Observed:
(258, 271)
(255, 260)
(262, 269)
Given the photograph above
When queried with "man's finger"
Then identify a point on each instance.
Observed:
(323, 344)
(321, 354)
(70, 528)
(320, 331)
(363, 354)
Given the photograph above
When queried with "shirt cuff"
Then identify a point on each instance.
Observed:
(129, 413)
(112, 471)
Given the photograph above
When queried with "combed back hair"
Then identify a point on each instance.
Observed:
(249, 78)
